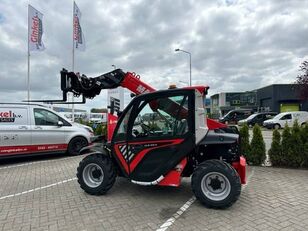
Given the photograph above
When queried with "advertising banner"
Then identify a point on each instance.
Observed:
(35, 29)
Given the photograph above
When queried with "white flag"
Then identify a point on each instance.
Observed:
(79, 42)
(35, 29)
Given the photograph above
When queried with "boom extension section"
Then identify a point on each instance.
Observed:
(90, 87)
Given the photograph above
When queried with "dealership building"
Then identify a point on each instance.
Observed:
(275, 97)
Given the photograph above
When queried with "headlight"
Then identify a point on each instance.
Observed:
(89, 129)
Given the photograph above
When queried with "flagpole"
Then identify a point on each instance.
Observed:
(28, 74)
(73, 65)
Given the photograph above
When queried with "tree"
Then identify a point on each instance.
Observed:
(257, 154)
(244, 136)
(304, 139)
(297, 148)
(302, 80)
(274, 153)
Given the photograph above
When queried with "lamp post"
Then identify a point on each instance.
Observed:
(114, 66)
(189, 63)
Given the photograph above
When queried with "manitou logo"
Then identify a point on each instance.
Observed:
(8, 116)
(141, 89)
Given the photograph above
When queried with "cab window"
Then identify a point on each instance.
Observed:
(121, 132)
(161, 117)
(45, 117)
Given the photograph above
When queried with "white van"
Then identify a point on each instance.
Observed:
(32, 129)
(280, 120)
(98, 118)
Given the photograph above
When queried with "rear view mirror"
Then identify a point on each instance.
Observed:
(60, 123)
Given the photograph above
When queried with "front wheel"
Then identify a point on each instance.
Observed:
(76, 144)
(216, 184)
(96, 174)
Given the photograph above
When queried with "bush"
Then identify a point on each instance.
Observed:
(244, 136)
(304, 138)
(98, 130)
(304, 133)
(286, 145)
(274, 153)
(293, 148)
(104, 130)
(257, 154)
(296, 157)
(305, 164)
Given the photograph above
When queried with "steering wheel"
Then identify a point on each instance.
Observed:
(147, 129)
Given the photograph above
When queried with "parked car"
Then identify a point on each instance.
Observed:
(34, 129)
(233, 116)
(280, 120)
(257, 118)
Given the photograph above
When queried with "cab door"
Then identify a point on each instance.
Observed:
(159, 134)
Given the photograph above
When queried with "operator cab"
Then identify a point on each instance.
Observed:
(156, 131)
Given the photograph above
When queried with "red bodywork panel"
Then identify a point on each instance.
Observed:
(240, 167)
(140, 155)
(111, 125)
(173, 178)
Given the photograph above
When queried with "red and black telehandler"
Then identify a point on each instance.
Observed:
(160, 137)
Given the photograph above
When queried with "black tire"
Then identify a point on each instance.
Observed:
(76, 144)
(277, 126)
(222, 190)
(96, 174)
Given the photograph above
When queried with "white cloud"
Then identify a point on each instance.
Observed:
(235, 44)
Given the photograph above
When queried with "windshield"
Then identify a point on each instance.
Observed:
(278, 116)
(252, 116)
(226, 115)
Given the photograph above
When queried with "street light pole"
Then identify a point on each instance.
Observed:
(114, 66)
(189, 63)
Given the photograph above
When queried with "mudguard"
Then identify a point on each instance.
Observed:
(213, 137)
(95, 148)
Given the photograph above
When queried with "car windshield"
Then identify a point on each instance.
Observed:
(251, 116)
(278, 116)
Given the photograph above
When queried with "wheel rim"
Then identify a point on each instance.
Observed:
(276, 126)
(93, 175)
(215, 186)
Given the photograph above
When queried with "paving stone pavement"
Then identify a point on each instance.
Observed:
(274, 199)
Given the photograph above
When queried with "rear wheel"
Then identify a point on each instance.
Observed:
(216, 184)
(96, 174)
(76, 144)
